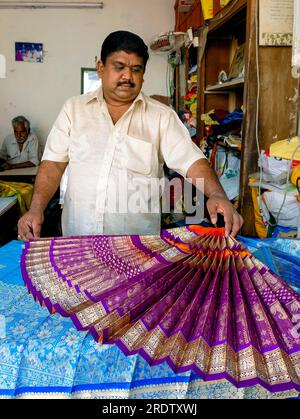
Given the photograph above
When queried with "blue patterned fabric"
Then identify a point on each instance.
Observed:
(43, 355)
(280, 255)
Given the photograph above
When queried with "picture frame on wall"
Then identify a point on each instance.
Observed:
(30, 52)
(89, 80)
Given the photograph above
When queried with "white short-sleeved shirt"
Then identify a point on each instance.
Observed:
(113, 170)
(10, 151)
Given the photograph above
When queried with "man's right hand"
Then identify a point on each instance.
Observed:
(30, 225)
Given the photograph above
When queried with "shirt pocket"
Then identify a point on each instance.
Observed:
(14, 152)
(138, 155)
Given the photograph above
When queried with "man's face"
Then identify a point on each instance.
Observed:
(122, 76)
(21, 133)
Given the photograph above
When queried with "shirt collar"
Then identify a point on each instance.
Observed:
(29, 138)
(98, 95)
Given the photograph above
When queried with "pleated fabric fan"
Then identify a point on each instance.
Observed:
(190, 297)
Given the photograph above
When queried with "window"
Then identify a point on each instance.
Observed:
(89, 80)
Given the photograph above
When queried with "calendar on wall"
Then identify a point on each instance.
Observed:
(276, 22)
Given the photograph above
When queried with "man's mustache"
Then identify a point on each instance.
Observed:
(126, 83)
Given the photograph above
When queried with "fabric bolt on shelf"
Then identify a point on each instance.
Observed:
(191, 297)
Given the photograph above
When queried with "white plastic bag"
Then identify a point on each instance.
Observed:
(289, 215)
(273, 166)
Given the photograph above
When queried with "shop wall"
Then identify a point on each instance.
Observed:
(71, 38)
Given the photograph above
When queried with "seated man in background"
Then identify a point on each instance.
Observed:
(20, 149)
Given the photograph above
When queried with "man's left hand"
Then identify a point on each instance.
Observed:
(218, 204)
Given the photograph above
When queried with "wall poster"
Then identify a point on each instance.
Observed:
(29, 51)
(276, 22)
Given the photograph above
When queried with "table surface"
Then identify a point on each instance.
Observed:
(27, 171)
(6, 203)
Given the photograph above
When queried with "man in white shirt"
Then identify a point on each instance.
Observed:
(115, 142)
(20, 149)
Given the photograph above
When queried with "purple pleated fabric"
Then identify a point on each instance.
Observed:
(190, 297)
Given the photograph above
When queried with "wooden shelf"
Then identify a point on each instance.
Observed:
(219, 39)
(228, 85)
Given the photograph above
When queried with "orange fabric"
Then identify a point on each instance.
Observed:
(209, 231)
(212, 231)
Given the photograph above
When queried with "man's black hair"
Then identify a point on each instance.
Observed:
(124, 41)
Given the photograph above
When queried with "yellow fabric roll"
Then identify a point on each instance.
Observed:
(193, 109)
(224, 3)
(285, 149)
(22, 191)
(296, 175)
(207, 9)
(260, 227)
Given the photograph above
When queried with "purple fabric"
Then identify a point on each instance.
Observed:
(209, 295)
